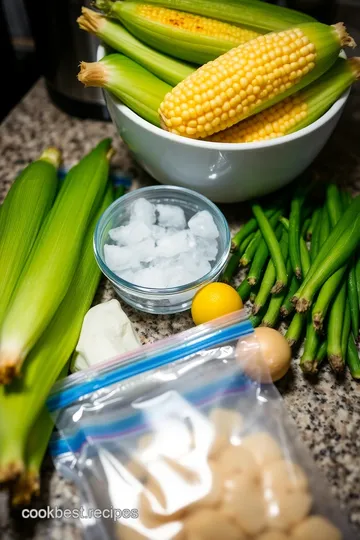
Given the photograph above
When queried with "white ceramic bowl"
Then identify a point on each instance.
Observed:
(223, 172)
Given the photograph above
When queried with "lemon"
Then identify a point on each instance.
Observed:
(213, 301)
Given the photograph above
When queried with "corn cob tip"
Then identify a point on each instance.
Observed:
(90, 20)
(52, 155)
(355, 66)
(11, 471)
(25, 488)
(345, 39)
(92, 74)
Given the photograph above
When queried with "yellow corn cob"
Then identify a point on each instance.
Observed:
(186, 36)
(297, 111)
(250, 78)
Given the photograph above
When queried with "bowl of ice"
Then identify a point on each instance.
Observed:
(159, 245)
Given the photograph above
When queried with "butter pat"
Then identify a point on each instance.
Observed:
(106, 332)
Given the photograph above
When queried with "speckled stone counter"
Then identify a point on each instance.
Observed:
(327, 413)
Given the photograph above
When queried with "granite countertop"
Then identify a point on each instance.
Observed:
(327, 413)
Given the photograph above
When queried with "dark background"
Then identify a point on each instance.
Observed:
(21, 67)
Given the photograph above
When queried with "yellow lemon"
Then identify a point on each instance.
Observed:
(214, 300)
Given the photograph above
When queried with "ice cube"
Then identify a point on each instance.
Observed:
(196, 265)
(171, 245)
(202, 224)
(133, 233)
(118, 258)
(143, 210)
(171, 216)
(158, 232)
(207, 248)
(152, 277)
(144, 251)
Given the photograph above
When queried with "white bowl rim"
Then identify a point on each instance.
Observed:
(209, 145)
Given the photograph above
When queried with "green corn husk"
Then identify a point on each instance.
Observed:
(27, 485)
(190, 37)
(134, 85)
(22, 401)
(116, 36)
(51, 266)
(260, 16)
(24, 210)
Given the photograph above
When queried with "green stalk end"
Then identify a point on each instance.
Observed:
(345, 39)
(52, 155)
(309, 367)
(104, 5)
(25, 488)
(278, 287)
(337, 363)
(302, 305)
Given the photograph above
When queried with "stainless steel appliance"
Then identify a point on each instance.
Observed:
(60, 47)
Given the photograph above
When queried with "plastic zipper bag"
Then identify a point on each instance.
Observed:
(176, 442)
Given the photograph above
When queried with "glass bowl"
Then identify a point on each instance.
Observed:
(172, 299)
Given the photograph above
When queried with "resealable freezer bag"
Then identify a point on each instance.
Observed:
(180, 441)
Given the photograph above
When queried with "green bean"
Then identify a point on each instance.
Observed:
(244, 290)
(233, 262)
(274, 248)
(334, 331)
(251, 249)
(304, 253)
(312, 344)
(287, 305)
(305, 227)
(346, 330)
(253, 292)
(231, 267)
(269, 277)
(323, 302)
(335, 253)
(321, 354)
(313, 223)
(345, 198)
(249, 227)
(296, 205)
(293, 333)
(273, 311)
(315, 239)
(324, 227)
(260, 259)
(357, 273)
(334, 203)
(353, 360)
(353, 299)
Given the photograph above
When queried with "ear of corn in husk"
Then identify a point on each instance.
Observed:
(251, 78)
(53, 260)
(22, 401)
(116, 36)
(134, 85)
(259, 16)
(193, 38)
(297, 111)
(24, 210)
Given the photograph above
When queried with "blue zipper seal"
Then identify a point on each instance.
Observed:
(68, 396)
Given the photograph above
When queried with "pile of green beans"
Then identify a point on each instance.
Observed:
(302, 256)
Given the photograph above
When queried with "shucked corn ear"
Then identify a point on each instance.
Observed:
(297, 111)
(116, 36)
(190, 37)
(22, 402)
(259, 16)
(250, 78)
(135, 86)
(52, 263)
(25, 207)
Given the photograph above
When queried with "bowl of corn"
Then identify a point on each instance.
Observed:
(241, 125)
